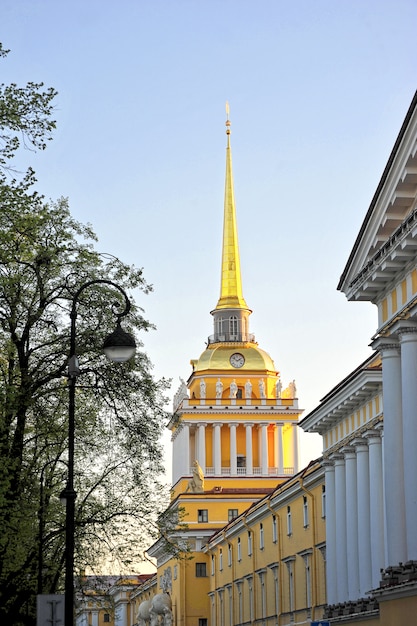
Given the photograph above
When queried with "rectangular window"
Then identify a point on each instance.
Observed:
(229, 555)
(305, 511)
(202, 621)
(323, 500)
(106, 617)
(202, 515)
(239, 550)
(212, 565)
(261, 536)
(231, 514)
(289, 521)
(221, 559)
(200, 570)
(274, 529)
(249, 543)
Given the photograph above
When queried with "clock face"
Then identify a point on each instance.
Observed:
(237, 360)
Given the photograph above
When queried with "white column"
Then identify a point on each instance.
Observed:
(352, 523)
(280, 449)
(364, 536)
(217, 449)
(264, 448)
(201, 446)
(376, 504)
(331, 559)
(249, 452)
(181, 452)
(233, 449)
(295, 446)
(408, 339)
(395, 535)
(182, 461)
(341, 545)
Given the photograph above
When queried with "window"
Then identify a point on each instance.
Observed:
(212, 565)
(305, 511)
(231, 514)
(200, 570)
(202, 515)
(229, 555)
(202, 621)
(274, 529)
(323, 500)
(233, 325)
(239, 550)
(249, 543)
(221, 559)
(289, 521)
(239, 394)
(106, 617)
(261, 537)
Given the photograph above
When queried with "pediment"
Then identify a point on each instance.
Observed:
(394, 201)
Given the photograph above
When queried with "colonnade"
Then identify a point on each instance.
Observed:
(189, 443)
(354, 518)
(399, 379)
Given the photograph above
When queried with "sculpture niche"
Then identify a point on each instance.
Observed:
(161, 610)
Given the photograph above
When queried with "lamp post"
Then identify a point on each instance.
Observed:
(119, 346)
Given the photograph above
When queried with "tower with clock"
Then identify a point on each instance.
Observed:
(234, 425)
(234, 415)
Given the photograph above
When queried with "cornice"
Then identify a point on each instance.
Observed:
(390, 261)
(390, 195)
(343, 401)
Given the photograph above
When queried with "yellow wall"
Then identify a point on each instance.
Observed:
(259, 583)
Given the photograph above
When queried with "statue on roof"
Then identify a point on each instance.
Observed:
(196, 483)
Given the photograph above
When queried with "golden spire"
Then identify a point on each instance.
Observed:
(231, 295)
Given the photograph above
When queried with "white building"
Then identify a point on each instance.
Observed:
(369, 421)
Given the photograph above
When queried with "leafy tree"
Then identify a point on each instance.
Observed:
(45, 256)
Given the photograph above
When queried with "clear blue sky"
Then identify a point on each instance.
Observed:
(318, 90)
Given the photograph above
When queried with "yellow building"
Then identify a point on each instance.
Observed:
(267, 565)
(234, 439)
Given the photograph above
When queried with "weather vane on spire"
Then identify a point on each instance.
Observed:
(227, 118)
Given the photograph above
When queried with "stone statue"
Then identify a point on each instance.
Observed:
(219, 388)
(278, 388)
(248, 389)
(262, 388)
(233, 389)
(161, 609)
(181, 394)
(196, 483)
(202, 389)
(166, 580)
(293, 389)
(143, 615)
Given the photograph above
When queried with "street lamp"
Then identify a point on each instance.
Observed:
(119, 346)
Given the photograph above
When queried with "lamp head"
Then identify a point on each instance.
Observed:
(119, 346)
